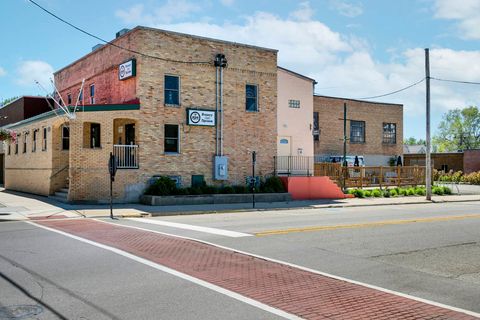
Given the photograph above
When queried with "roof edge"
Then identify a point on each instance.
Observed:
(358, 100)
(297, 74)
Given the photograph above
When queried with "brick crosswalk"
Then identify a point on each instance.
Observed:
(305, 294)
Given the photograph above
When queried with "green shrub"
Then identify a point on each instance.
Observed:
(393, 193)
(410, 192)
(241, 189)
(351, 191)
(420, 191)
(359, 193)
(209, 189)
(447, 190)
(386, 193)
(438, 191)
(163, 186)
(402, 192)
(367, 193)
(271, 185)
(227, 190)
(376, 193)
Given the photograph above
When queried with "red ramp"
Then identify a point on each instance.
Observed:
(312, 188)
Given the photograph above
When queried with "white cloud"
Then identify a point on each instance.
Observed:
(303, 13)
(346, 8)
(344, 66)
(31, 71)
(2, 72)
(465, 12)
(227, 3)
(171, 11)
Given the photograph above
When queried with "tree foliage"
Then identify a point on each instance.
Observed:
(7, 101)
(412, 141)
(459, 130)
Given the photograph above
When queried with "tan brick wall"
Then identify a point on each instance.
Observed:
(243, 131)
(374, 114)
(40, 172)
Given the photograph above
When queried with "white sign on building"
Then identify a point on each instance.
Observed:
(127, 69)
(196, 117)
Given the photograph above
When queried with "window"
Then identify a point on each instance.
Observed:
(80, 97)
(444, 168)
(95, 135)
(69, 99)
(65, 137)
(357, 131)
(44, 139)
(171, 138)
(251, 98)
(24, 150)
(34, 140)
(389, 133)
(294, 103)
(316, 127)
(16, 143)
(172, 89)
(92, 94)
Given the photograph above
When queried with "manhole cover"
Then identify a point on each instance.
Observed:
(19, 312)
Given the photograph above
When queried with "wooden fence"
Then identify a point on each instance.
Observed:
(360, 177)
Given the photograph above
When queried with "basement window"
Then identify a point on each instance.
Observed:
(172, 90)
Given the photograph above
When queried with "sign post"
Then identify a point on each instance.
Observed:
(112, 169)
(254, 161)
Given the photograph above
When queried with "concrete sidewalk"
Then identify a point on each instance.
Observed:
(20, 206)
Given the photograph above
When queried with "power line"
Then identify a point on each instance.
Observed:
(394, 92)
(111, 43)
(455, 81)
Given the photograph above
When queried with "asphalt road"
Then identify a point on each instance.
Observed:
(429, 251)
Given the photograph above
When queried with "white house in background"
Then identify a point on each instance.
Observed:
(294, 114)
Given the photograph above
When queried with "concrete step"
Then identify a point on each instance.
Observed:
(61, 194)
(65, 190)
(58, 198)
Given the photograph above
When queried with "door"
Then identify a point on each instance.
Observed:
(130, 134)
(284, 146)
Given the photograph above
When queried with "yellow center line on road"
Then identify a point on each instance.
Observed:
(364, 225)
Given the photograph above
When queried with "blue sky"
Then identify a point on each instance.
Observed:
(353, 48)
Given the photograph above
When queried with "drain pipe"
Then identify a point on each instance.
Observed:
(220, 64)
(216, 108)
(221, 111)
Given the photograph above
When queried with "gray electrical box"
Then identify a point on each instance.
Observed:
(220, 168)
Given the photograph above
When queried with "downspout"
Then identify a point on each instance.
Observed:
(221, 111)
(216, 109)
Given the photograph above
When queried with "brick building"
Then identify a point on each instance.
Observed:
(160, 113)
(374, 130)
(466, 161)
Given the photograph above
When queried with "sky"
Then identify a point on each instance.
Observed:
(353, 48)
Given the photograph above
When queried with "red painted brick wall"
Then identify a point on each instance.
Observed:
(471, 160)
(101, 69)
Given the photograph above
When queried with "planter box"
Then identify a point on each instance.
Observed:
(213, 199)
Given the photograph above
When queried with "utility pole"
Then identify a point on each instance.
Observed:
(428, 160)
(344, 162)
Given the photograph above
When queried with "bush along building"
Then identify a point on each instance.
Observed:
(374, 130)
(165, 104)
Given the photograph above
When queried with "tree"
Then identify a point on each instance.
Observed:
(459, 130)
(412, 141)
(7, 101)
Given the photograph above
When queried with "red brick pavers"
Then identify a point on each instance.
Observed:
(299, 292)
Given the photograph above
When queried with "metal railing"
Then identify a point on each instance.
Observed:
(293, 165)
(127, 156)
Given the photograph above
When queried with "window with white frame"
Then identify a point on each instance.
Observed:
(357, 131)
(34, 140)
(390, 133)
(172, 90)
(92, 94)
(24, 150)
